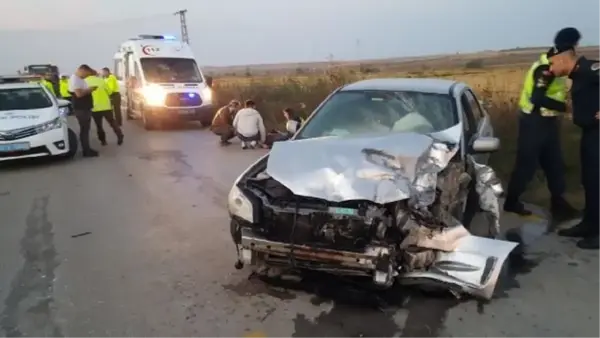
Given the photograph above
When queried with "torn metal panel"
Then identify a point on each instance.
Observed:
(473, 267)
(378, 168)
(489, 189)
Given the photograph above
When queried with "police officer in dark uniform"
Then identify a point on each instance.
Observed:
(542, 101)
(585, 95)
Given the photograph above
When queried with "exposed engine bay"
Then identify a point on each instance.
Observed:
(416, 239)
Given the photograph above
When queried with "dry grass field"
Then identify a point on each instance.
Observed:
(496, 76)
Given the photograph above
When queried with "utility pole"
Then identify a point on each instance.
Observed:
(184, 31)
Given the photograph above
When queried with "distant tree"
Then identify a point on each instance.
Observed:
(248, 72)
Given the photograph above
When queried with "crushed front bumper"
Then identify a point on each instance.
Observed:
(375, 261)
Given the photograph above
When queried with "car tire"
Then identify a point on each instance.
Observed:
(149, 122)
(73, 144)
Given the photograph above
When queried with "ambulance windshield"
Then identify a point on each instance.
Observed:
(170, 70)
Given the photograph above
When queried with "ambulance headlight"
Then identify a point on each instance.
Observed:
(154, 95)
(207, 94)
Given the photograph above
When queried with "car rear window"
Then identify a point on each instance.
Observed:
(24, 99)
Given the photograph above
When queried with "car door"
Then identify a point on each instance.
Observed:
(479, 120)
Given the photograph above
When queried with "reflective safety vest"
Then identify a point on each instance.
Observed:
(63, 85)
(557, 90)
(48, 85)
(112, 83)
(100, 96)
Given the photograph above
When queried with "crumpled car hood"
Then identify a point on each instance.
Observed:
(378, 168)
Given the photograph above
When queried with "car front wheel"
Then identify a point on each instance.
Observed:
(73, 144)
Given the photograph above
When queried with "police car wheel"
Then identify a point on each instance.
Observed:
(73, 144)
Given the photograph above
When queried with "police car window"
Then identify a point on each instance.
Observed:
(170, 70)
(365, 112)
(24, 99)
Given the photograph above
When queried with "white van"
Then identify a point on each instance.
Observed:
(160, 81)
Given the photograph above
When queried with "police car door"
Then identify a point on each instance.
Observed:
(478, 119)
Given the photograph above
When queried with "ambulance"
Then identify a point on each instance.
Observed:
(160, 82)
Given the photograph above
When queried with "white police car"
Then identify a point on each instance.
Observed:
(33, 122)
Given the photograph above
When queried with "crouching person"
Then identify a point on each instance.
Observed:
(222, 123)
(292, 125)
(249, 126)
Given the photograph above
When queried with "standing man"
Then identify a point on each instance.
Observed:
(102, 109)
(46, 82)
(83, 103)
(585, 97)
(542, 100)
(222, 123)
(249, 126)
(115, 96)
(63, 86)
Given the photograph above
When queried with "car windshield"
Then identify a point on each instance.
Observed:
(24, 99)
(365, 112)
(170, 70)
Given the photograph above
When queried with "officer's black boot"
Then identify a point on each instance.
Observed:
(563, 211)
(516, 207)
(590, 243)
(581, 229)
(90, 153)
(120, 138)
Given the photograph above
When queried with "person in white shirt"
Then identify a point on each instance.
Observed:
(249, 126)
(83, 103)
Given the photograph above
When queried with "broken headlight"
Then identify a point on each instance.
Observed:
(239, 205)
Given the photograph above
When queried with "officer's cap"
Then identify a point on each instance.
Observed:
(568, 36)
(558, 50)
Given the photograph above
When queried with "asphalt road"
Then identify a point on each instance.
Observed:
(136, 242)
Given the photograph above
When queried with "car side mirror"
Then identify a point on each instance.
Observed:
(483, 145)
(209, 81)
(64, 107)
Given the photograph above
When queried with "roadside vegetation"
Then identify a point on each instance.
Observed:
(499, 86)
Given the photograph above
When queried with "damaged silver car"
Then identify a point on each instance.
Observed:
(382, 181)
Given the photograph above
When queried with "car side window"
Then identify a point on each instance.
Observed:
(467, 114)
(475, 107)
(136, 71)
(118, 71)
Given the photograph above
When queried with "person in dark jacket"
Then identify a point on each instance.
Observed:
(542, 101)
(585, 95)
(222, 123)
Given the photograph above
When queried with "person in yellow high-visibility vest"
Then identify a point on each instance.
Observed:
(63, 85)
(102, 108)
(46, 83)
(542, 100)
(115, 97)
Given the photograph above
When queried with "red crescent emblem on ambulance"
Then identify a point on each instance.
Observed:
(149, 50)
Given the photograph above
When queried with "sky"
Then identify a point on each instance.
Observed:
(237, 32)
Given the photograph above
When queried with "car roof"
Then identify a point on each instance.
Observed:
(18, 85)
(424, 85)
